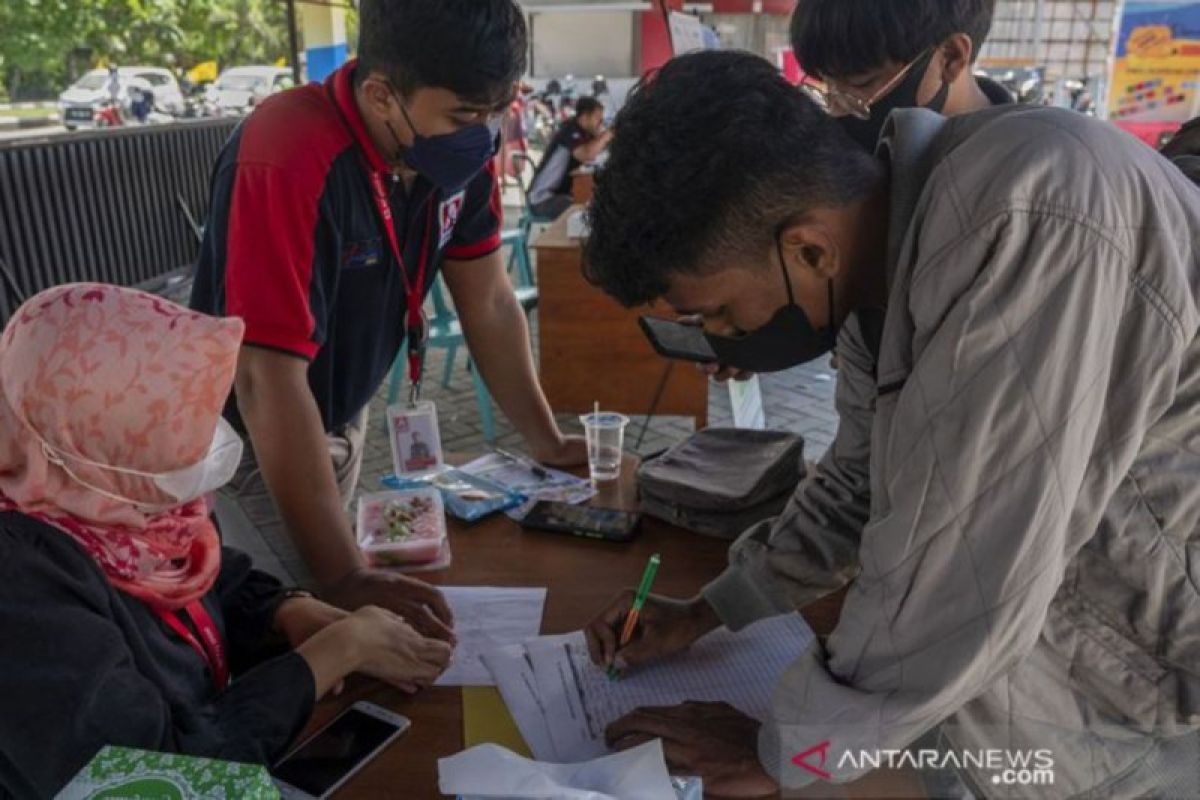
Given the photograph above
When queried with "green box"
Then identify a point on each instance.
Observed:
(120, 773)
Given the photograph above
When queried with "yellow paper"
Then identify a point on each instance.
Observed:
(486, 719)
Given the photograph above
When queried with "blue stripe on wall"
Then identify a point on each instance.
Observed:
(324, 60)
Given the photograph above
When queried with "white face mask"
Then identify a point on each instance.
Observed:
(212, 472)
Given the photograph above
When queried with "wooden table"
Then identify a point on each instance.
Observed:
(581, 576)
(583, 183)
(592, 349)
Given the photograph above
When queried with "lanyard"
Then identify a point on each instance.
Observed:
(414, 322)
(212, 650)
(414, 290)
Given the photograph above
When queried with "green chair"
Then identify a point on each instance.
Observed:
(518, 237)
(524, 286)
(445, 331)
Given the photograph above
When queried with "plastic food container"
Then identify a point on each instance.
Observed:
(401, 527)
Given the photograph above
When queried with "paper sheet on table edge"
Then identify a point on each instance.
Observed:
(500, 773)
(541, 591)
(515, 687)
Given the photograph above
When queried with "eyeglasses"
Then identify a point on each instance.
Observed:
(842, 104)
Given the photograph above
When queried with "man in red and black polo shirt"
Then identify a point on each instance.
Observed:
(333, 208)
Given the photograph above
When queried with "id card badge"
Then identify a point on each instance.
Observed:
(415, 438)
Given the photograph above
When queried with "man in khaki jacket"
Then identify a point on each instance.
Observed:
(1015, 485)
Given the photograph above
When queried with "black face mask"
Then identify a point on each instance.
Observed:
(866, 131)
(787, 340)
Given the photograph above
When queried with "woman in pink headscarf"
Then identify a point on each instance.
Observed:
(122, 619)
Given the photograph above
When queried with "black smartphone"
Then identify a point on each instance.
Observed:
(594, 523)
(676, 340)
(327, 759)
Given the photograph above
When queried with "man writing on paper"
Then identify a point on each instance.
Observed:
(334, 207)
(1013, 489)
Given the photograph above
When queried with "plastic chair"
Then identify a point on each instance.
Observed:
(445, 331)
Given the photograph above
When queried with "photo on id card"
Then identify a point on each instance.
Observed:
(413, 433)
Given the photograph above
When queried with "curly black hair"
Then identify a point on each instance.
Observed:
(839, 38)
(712, 155)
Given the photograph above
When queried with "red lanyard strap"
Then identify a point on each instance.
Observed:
(210, 646)
(414, 323)
(415, 329)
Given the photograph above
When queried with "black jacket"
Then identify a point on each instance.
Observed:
(83, 665)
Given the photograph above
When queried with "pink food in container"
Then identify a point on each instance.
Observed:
(401, 527)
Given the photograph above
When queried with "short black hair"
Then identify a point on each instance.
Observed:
(586, 105)
(713, 154)
(838, 38)
(474, 48)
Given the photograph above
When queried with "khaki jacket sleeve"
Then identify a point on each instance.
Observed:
(811, 549)
(1019, 326)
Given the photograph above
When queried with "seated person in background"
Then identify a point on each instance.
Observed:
(577, 141)
(1012, 496)
(123, 619)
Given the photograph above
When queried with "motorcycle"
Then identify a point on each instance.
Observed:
(109, 116)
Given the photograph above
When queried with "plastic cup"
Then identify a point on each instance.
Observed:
(605, 432)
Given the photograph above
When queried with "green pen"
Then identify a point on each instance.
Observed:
(639, 600)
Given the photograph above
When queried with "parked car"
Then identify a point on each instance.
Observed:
(90, 94)
(239, 89)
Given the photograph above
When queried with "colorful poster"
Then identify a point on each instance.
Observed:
(1156, 65)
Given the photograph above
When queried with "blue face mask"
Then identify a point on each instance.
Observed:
(449, 160)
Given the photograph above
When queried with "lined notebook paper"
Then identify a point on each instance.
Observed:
(565, 702)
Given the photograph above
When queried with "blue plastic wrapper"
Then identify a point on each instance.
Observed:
(466, 497)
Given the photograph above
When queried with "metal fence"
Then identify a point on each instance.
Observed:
(104, 206)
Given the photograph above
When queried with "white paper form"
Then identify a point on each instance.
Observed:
(486, 618)
(513, 673)
(577, 701)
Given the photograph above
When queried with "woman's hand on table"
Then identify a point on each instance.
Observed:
(300, 618)
(378, 643)
(390, 650)
(665, 626)
(712, 740)
(420, 604)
